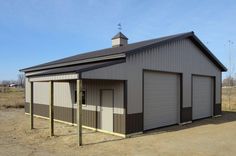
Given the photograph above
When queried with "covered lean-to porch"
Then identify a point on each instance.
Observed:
(99, 104)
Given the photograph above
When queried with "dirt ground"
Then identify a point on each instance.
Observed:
(214, 136)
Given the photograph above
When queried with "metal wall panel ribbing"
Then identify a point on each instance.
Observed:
(64, 94)
(27, 90)
(41, 92)
(68, 76)
(93, 88)
(114, 72)
(181, 56)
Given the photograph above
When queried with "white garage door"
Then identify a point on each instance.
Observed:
(161, 99)
(202, 97)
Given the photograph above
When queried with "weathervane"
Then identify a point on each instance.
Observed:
(119, 27)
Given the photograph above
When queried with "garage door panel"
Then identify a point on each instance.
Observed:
(161, 99)
(202, 96)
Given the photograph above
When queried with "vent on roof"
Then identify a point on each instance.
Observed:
(119, 40)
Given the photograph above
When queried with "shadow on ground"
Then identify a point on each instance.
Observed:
(227, 116)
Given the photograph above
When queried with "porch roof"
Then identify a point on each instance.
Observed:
(77, 69)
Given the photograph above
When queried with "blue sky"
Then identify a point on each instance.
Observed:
(37, 31)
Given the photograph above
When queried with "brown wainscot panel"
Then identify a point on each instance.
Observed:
(64, 114)
(119, 123)
(134, 123)
(39, 109)
(89, 118)
(217, 109)
(186, 114)
(99, 120)
(69, 115)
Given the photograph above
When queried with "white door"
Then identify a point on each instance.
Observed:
(161, 99)
(202, 92)
(107, 110)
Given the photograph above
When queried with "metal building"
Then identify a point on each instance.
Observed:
(130, 88)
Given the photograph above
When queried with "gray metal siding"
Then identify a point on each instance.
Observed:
(93, 88)
(181, 56)
(114, 72)
(161, 99)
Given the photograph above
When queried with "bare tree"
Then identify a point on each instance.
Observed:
(21, 80)
(229, 81)
(6, 82)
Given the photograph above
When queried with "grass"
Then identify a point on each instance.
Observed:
(225, 99)
(13, 98)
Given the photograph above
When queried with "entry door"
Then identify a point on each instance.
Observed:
(107, 110)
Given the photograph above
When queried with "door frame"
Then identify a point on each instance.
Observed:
(180, 94)
(100, 104)
(214, 93)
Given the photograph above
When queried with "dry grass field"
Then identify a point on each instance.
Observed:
(13, 98)
(225, 98)
(212, 136)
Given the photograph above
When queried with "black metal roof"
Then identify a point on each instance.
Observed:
(128, 49)
(120, 35)
(79, 68)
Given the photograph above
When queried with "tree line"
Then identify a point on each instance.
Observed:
(229, 81)
(20, 82)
